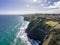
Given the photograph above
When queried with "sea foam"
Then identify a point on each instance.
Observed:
(23, 36)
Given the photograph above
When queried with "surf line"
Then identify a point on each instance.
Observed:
(22, 35)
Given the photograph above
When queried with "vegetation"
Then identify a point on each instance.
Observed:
(51, 23)
(42, 28)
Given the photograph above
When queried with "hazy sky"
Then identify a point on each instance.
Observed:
(29, 6)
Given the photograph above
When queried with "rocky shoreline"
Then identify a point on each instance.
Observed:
(39, 27)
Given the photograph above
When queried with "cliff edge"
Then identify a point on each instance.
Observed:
(43, 29)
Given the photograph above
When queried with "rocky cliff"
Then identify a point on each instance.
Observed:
(39, 28)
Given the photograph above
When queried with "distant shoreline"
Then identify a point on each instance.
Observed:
(29, 17)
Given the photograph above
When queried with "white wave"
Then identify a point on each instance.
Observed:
(34, 42)
(23, 36)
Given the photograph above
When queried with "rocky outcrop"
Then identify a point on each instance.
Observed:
(43, 29)
(37, 29)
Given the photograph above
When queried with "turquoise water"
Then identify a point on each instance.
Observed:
(9, 28)
(12, 31)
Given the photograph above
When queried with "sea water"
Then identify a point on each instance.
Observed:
(12, 31)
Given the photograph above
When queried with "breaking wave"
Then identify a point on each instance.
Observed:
(23, 36)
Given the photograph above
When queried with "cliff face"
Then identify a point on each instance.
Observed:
(46, 30)
(37, 29)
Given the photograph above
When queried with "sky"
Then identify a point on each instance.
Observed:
(29, 6)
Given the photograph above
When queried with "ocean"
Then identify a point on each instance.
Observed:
(12, 31)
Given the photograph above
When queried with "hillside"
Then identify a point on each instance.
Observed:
(43, 29)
